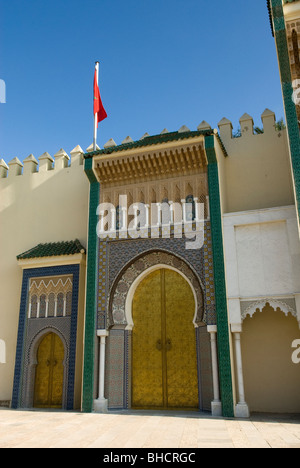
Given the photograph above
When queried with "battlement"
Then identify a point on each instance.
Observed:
(45, 163)
(61, 160)
(247, 127)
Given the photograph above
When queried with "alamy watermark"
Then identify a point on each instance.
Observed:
(296, 353)
(165, 220)
(2, 92)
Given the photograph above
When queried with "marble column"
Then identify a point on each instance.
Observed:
(241, 409)
(216, 405)
(101, 404)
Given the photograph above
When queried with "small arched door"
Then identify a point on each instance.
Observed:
(164, 357)
(49, 375)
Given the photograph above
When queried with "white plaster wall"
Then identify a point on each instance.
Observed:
(262, 255)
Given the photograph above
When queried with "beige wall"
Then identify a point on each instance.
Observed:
(272, 380)
(257, 169)
(44, 206)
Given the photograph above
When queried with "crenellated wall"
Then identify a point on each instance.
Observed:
(44, 200)
(257, 171)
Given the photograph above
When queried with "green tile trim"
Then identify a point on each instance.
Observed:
(226, 389)
(287, 91)
(155, 140)
(91, 288)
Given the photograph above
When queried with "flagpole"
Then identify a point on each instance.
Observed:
(96, 115)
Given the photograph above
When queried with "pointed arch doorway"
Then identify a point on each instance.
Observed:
(164, 357)
(49, 375)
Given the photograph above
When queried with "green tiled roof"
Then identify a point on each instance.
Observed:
(154, 140)
(55, 249)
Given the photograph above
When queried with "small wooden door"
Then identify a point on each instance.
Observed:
(49, 376)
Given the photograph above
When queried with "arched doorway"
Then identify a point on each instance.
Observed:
(164, 357)
(271, 378)
(49, 375)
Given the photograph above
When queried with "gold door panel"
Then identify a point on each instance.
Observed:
(182, 374)
(164, 362)
(49, 374)
(147, 362)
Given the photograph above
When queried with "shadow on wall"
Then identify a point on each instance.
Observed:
(2, 352)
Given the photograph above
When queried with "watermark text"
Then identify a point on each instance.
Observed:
(296, 353)
(165, 220)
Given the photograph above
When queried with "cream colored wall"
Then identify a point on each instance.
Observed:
(50, 205)
(257, 170)
(262, 264)
(272, 379)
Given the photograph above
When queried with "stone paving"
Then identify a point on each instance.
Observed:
(144, 429)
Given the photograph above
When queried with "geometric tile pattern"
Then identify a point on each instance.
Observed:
(91, 292)
(65, 326)
(116, 255)
(120, 261)
(224, 362)
(117, 299)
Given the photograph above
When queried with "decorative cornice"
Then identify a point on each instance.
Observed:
(159, 163)
(274, 303)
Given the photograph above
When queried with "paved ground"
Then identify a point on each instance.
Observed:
(44, 429)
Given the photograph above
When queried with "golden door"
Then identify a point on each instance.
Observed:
(49, 374)
(164, 359)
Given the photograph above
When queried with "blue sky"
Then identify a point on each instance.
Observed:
(164, 64)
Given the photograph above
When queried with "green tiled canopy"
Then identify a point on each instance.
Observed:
(155, 140)
(55, 249)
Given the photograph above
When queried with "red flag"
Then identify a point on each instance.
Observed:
(98, 106)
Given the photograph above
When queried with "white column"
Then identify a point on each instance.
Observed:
(101, 404)
(171, 212)
(124, 223)
(183, 201)
(38, 308)
(216, 405)
(113, 219)
(241, 409)
(47, 307)
(158, 214)
(101, 221)
(135, 209)
(29, 309)
(147, 222)
(124, 218)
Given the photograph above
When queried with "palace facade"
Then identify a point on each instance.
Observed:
(162, 273)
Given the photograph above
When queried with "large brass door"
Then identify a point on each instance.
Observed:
(164, 360)
(49, 374)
